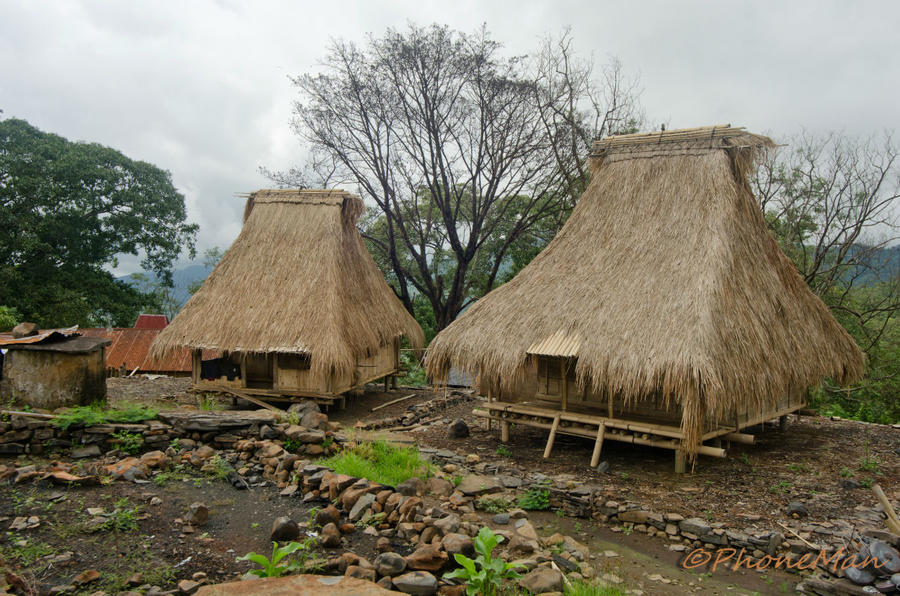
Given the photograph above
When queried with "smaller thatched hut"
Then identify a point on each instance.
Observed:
(296, 307)
(663, 313)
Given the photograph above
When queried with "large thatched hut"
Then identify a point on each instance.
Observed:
(296, 307)
(663, 313)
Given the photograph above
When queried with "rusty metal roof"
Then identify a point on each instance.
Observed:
(559, 344)
(66, 345)
(131, 347)
(151, 322)
(7, 339)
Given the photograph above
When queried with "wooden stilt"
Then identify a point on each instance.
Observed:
(565, 384)
(679, 461)
(595, 457)
(387, 383)
(504, 432)
(552, 437)
(782, 423)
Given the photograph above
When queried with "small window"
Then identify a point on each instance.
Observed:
(293, 361)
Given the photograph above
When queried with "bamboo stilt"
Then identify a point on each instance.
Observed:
(679, 461)
(504, 431)
(552, 437)
(598, 445)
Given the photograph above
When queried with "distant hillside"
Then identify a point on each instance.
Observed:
(182, 278)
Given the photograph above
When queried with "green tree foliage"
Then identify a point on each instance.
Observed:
(69, 208)
(831, 203)
(9, 318)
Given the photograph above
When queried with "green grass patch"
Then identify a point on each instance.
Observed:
(380, 462)
(124, 517)
(582, 588)
(98, 413)
(25, 554)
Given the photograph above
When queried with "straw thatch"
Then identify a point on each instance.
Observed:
(664, 283)
(298, 279)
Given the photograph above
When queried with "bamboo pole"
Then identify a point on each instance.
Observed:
(393, 401)
(552, 437)
(504, 431)
(598, 445)
(892, 522)
(742, 438)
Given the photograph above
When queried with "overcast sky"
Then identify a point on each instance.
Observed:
(201, 88)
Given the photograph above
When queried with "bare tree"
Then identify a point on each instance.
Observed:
(832, 203)
(464, 152)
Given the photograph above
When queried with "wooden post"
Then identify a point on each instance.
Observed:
(610, 404)
(552, 436)
(565, 385)
(595, 457)
(782, 423)
(387, 381)
(504, 431)
(679, 461)
(275, 381)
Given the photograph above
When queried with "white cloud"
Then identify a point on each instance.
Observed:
(201, 88)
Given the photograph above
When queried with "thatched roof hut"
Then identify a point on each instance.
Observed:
(298, 280)
(664, 284)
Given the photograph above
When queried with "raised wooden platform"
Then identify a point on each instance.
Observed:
(600, 428)
(282, 395)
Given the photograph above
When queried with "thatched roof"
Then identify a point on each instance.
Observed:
(664, 281)
(298, 279)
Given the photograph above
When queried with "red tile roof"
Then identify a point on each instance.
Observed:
(151, 322)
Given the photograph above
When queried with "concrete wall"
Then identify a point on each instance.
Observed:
(50, 380)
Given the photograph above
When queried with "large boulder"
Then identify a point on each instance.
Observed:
(420, 583)
(24, 330)
(475, 485)
(542, 580)
(427, 558)
(284, 529)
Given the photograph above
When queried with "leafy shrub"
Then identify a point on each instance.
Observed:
(536, 499)
(380, 462)
(9, 318)
(292, 445)
(484, 575)
(277, 565)
(124, 517)
(216, 468)
(415, 375)
(128, 442)
(493, 504)
(98, 414)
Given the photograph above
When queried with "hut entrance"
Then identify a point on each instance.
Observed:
(260, 371)
(556, 381)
